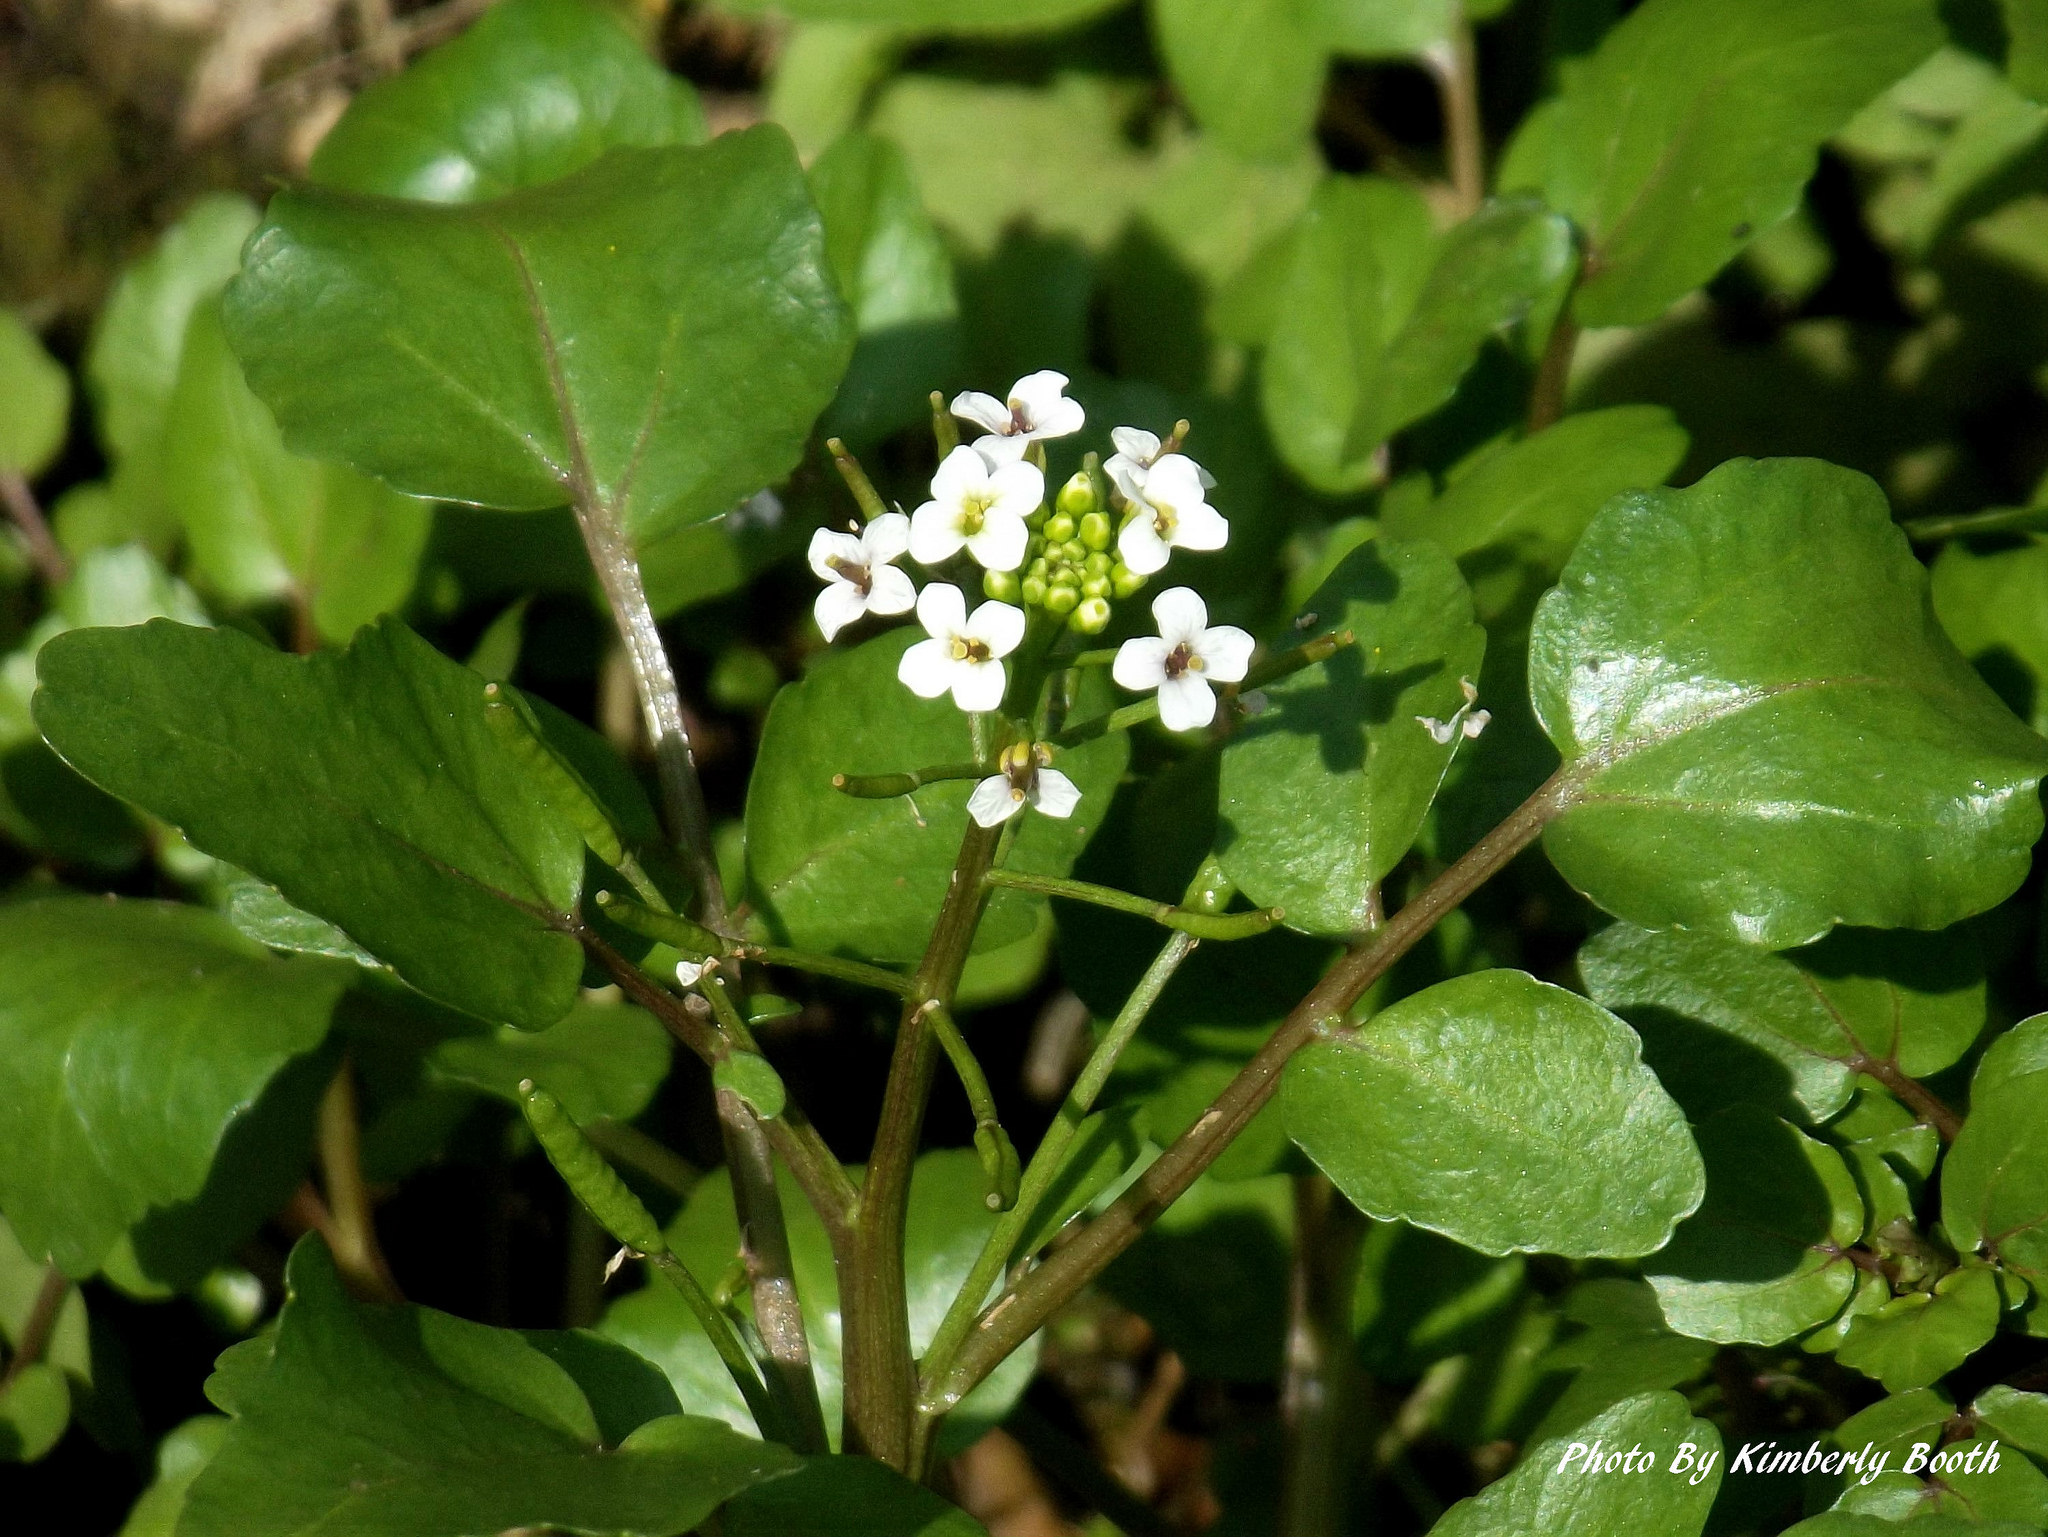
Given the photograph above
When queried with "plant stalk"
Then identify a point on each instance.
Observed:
(43, 550)
(40, 1325)
(1454, 66)
(1553, 375)
(1201, 925)
(1319, 1389)
(718, 1329)
(1019, 1314)
(339, 1142)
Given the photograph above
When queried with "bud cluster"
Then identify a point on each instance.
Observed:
(1070, 569)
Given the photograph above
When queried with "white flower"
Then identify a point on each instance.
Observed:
(1025, 777)
(1136, 449)
(1467, 720)
(1167, 513)
(857, 575)
(1037, 408)
(687, 972)
(1183, 659)
(980, 505)
(964, 654)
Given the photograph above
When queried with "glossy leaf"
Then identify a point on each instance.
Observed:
(1547, 1497)
(413, 1423)
(865, 877)
(134, 1034)
(364, 785)
(1722, 1020)
(1323, 791)
(1502, 1112)
(1718, 668)
(1987, 600)
(35, 400)
(262, 522)
(949, 1219)
(1249, 72)
(534, 90)
(1763, 1257)
(602, 1061)
(1695, 126)
(1994, 1182)
(1625, 1349)
(845, 1497)
(657, 328)
(179, 1457)
(1918, 1338)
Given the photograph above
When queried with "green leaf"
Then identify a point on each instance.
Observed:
(896, 274)
(866, 877)
(1987, 601)
(364, 785)
(1382, 28)
(845, 1497)
(1719, 668)
(21, 1281)
(35, 400)
(949, 16)
(264, 523)
(1763, 1257)
(1501, 1112)
(603, 1061)
(1722, 1021)
(1377, 319)
(1248, 71)
(533, 91)
(35, 1407)
(1994, 1182)
(1921, 1421)
(1695, 126)
(413, 1423)
(1324, 790)
(1916, 1339)
(1534, 498)
(2026, 50)
(1545, 1498)
(134, 1034)
(656, 330)
(179, 1457)
(1625, 1349)
(949, 1219)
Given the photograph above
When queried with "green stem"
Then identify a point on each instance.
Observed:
(718, 1328)
(1553, 374)
(1019, 1313)
(41, 1324)
(981, 1099)
(945, 433)
(1318, 1393)
(695, 940)
(1046, 1164)
(888, 786)
(1992, 520)
(1201, 925)
(881, 1376)
(856, 478)
(829, 966)
(621, 1142)
(1455, 68)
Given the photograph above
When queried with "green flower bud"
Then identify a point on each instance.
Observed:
(1095, 587)
(1090, 616)
(1001, 585)
(1075, 551)
(1123, 581)
(1035, 518)
(1059, 528)
(1038, 568)
(1061, 599)
(1096, 532)
(1033, 589)
(1077, 496)
(1097, 564)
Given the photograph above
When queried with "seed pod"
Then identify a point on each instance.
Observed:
(1001, 585)
(1059, 528)
(511, 721)
(589, 1178)
(1077, 496)
(1090, 616)
(1000, 1163)
(1096, 532)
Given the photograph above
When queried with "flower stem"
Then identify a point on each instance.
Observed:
(39, 1326)
(1553, 375)
(718, 1328)
(1320, 1385)
(339, 1142)
(1019, 1313)
(1993, 520)
(43, 550)
(695, 940)
(1455, 68)
(1201, 925)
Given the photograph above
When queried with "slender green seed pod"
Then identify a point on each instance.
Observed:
(1059, 528)
(1123, 581)
(1077, 496)
(1032, 589)
(669, 928)
(1001, 585)
(1096, 532)
(589, 1178)
(1090, 616)
(1000, 1163)
(1061, 600)
(1094, 587)
(511, 721)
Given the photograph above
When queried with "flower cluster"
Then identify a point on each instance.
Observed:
(1048, 565)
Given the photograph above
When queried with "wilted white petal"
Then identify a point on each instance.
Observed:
(977, 686)
(886, 538)
(1181, 615)
(1141, 663)
(1226, 653)
(927, 667)
(995, 800)
(828, 545)
(839, 604)
(889, 591)
(1135, 443)
(1140, 546)
(1440, 731)
(941, 610)
(687, 972)
(1477, 722)
(999, 626)
(1186, 702)
(983, 410)
(1055, 794)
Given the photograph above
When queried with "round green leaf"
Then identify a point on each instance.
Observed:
(1764, 731)
(1762, 1259)
(131, 1035)
(1324, 790)
(845, 1497)
(1917, 1339)
(535, 90)
(1989, 602)
(1248, 71)
(364, 785)
(411, 1423)
(35, 400)
(1501, 1112)
(1994, 1182)
(34, 1409)
(657, 331)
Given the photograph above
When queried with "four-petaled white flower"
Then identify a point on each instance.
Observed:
(1136, 449)
(857, 575)
(1467, 721)
(1183, 659)
(980, 505)
(1026, 778)
(1037, 408)
(965, 652)
(1168, 513)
